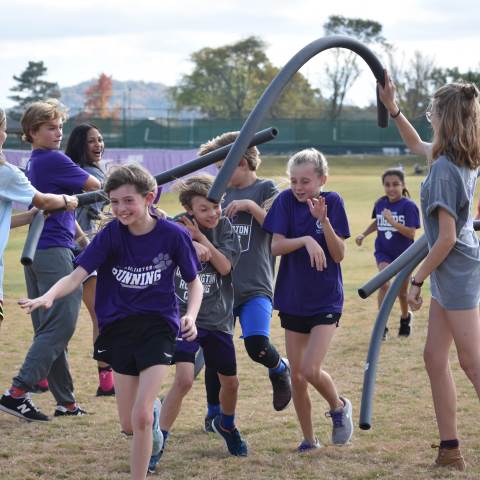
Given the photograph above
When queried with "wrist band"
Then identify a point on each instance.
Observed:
(395, 115)
(65, 200)
(415, 283)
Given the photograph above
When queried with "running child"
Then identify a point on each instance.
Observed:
(453, 259)
(215, 319)
(49, 170)
(136, 256)
(245, 205)
(85, 147)
(15, 187)
(396, 217)
(309, 227)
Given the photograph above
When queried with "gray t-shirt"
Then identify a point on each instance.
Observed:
(87, 215)
(254, 273)
(216, 311)
(455, 283)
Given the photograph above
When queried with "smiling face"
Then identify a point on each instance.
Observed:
(305, 181)
(206, 213)
(129, 206)
(95, 146)
(48, 136)
(393, 186)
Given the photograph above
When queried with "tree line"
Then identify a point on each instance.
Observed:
(227, 81)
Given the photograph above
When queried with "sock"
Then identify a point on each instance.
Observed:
(213, 410)
(165, 436)
(228, 421)
(43, 383)
(450, 444)
(16, 392)
(105, 378)
(279, 369)
(71, 407)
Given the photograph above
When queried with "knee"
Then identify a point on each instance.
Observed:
(470, 365)
(230, 384)
(433, 361)
(257, 347)
(310, 372)
(299, 382)
(142, 419)
(183, 384)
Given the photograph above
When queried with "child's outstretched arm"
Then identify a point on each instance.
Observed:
(408, 133)
(187, 322)
(52, 201)
(24, 218)
(62, 288)
(370, 229)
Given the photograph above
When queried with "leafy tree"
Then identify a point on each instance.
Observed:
(441, 76)
(226, 82)
(31, 87)
(97, 98)
(342, 70)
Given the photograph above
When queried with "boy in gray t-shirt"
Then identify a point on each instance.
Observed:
(215, 319)
(245, 204)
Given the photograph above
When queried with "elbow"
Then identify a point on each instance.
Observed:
(225, 270)
(275, 247)
(338, 257)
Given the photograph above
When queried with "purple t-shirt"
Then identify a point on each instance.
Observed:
(51, 171)
(389, 240)
(136, 272)
(300, 289)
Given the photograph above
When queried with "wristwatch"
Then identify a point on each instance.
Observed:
(415, 283)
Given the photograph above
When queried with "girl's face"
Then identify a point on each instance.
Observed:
(95, 146)
(206, 213)
(129, 206)
(305, 182)
(49, 135)
(3, 133)
(393, 187)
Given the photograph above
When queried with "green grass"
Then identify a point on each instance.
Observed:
(397, 447)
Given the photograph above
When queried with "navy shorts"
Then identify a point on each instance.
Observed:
(218, 351)
(135, 343)
(299, 324)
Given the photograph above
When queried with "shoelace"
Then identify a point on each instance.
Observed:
(337, 418)
(30, 403)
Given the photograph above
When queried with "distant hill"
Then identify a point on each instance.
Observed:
(139, 99)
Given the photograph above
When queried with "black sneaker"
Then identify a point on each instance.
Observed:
(208, 424)
(282, 387)
(61, 411)
(235, 443)
(22, 407)
(385, 334)
(404, 330)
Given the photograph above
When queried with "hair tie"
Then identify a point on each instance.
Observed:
(470, 91)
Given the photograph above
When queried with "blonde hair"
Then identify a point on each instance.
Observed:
(251, 156)
(195, 186)
(309, 156)
(457, 130)
(3, 120)
(132, 174)
(38, 113)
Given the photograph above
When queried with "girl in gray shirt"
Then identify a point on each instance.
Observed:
(453, 260)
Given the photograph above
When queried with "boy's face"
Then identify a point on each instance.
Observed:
(49, 135)
(206, 213)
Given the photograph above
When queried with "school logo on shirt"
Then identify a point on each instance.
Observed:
(209, 281)
(384, 226)
(318, 227)
(142, 277)
(244, 232)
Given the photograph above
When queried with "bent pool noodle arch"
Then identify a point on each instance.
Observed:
(273, 92)
(198, 163)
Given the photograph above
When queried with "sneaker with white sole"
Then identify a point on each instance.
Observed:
(306, 446)
(61, 411)
(342, 423)
(22, 407)
(157, 437)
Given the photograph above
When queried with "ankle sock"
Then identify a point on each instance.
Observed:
(165, 435)
(228, 421)
(213, 410)
(279, 369)
(450, 444)
(17, 392)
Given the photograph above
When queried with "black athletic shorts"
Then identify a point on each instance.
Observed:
(135, 343)
(299, 324)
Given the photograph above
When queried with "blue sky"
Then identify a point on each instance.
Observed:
(151, 40)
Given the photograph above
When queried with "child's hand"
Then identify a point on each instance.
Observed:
(413, 298)
(71, 202)
(316, 253)
(237, 206)
(192, 227)
(203, 253)
(387, 214)
(188, 328)
(359, 239)
(318, 208)
(31, 305)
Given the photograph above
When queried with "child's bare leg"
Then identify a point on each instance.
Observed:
(228, 393)
(126, 387)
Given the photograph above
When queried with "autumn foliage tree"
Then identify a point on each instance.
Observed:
(97, 98)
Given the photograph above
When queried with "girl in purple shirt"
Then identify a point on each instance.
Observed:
(395, 219)
(309, 227)
(136, 256)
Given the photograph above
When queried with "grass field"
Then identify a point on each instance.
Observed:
(403, 423)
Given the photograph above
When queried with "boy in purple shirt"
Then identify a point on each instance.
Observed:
(396, 218)
(309, 227)
(136, 256)
(49, 171)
